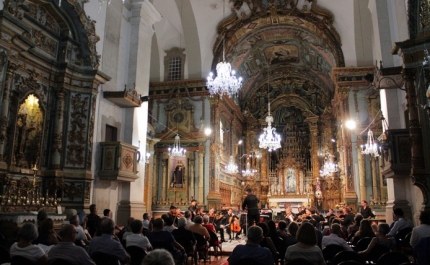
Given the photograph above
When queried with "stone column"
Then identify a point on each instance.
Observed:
(150, 173)
(361, 170)
(164, 183)
(374, 178)
(5, 113)
(200, 177)
(57, 137)
(154, 178)
(313, 128)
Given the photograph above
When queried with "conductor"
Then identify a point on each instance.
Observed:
(251, 202)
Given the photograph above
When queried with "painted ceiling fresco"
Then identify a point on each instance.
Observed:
(290, 44)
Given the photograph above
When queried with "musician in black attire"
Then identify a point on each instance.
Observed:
(251, 202)
(366, 211)
(193, 208)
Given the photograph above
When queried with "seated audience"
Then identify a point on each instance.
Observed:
(24, 247)
(422, 230)
(307, 247)
(146, 218)
(42, 215)
(365, 230)
(188, 216)
(291, 238)
(335, 238)
(67, 250)
(282, 229)
(82, 237)
(69, 213)
(47, 235)
(267, 242)
(184, 234)
(168, 223)
(208, 225)
(380, 239)
(93, 220)
(106, 243)
(252, 249)
(137, 238)
(163, 239)
(355, 226)
(126, 231)
(401, 222)
(197, 228)
(158, 257)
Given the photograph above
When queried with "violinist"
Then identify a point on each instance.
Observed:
(193, 208)
(289, 215)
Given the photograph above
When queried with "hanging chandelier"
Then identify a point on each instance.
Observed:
(329, 166)
(226, 82)
(248, 172)
(371, 147)
(231, 167)
(177, 150)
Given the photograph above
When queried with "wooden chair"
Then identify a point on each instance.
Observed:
(20, 260)
(330, 251)
(4, 255)
(137, 254)
(347, 256)
(377, 251)
(392, 258)
(59, 262)
(350, 262)
(215, 243)
(189, 247)
(363, 243)
(101, 258)
(400, 237)
(201, 247)
(296, 262)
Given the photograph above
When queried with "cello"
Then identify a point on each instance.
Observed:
(234, 225)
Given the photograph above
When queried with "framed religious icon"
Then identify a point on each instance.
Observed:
(177, 173)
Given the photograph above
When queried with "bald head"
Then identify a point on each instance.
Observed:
(68, 233)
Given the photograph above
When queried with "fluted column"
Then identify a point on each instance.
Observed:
(201, 176)
(5, 112)
(154, 178)
(374, 178)
(164, 184)
(361, 171)
(57, 136)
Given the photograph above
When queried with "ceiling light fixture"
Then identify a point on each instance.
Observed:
(177, 150)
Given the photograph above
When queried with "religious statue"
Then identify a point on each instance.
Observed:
(177, 176)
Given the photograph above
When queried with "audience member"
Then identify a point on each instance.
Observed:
(291, 238)
(317, 231)
(208, 225)
(158, 257)
(69, 213)
(137, 239)
(42, 215)
(163, 239)
(380, 239)
(81, 236)
(422, 230)
(67, 250)
(252, 249)
(106, 244)
(188, 216)
(106, 213)
(307, 247)
(401, 223)
(282, 229)
(355, 226)
(168, 223)
(24, 247)
(267, 242)
(47, 235)
(197, 228)
(365, 230)
(335, 238)
(126, 231)
(145, 222)
(94, 220)
(182, 233)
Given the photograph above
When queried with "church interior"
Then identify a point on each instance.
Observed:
(137, 105)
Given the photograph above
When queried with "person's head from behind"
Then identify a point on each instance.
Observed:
(158, 257)
(136, 226)
(68, 233)
(282, 225)
(187, 214)
(107, 226)
(307, 235)
(28, 232)
(292, 228)
(383, 228)
(264, 227)
(158, 224)
(198, 219)
(193, 202)
(425, 217)
(335, 229)
(42, 215)
(255, 234)
(47, 225)
(169, 220)
(398, 212)
(248, 191)
(358, 218)
(93, 208)
(74, 220)
(365, 228)
(146, 216)
(182, 222)
(106, 212)
(205, 219)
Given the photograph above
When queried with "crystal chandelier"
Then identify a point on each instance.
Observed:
(231, 167)
(177, 150)
(248, 172)
(269, 138)
(329, 166)
(225, 83)
(371, 147)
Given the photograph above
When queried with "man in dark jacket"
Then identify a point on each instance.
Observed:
(251, 203)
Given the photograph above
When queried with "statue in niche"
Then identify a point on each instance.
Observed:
(177, 179)
(290, 181)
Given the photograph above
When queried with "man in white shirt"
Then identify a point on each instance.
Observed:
(137, 239)
(74, 220)
(335, 238)
(145, 222)
(401, 223)
(188, 218)
(421, 231)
